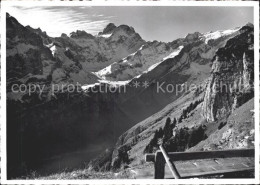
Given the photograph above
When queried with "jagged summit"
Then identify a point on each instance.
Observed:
(192, 36)
(126, 28)
(250, 24)
(11, 19)
(64, 35)
(108, 29)
(37, 31)
(81, 34)
(111, 28)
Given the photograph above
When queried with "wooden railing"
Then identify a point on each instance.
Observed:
(194, 164)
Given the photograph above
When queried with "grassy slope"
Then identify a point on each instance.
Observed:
(237, 133)
(83, 174)
(144, 130)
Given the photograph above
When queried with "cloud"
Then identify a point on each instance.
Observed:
(58, 20)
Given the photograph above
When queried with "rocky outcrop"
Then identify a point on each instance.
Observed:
(231, 82)
(81, 34)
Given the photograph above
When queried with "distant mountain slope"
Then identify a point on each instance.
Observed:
(144, 59)
(66, 58)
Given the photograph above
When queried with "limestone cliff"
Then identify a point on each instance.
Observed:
(231, 81)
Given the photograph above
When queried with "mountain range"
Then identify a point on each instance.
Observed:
(44, 127)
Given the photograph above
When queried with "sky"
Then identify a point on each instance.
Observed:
(152, 23)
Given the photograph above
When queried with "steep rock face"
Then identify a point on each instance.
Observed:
(25, 51)
(231, 82)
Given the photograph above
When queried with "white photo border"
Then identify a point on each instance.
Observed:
(4, 8)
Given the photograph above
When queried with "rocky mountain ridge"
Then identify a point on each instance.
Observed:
(67, 59)
(144, 60)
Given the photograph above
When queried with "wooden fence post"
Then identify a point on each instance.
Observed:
(159, 166)
(172, 167)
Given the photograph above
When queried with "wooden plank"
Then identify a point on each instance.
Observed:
(210, 167)
(220, 172)
(195, 164)
(149, 157)
(179, 156)
(199, 174)
(171, 165)
(182, 156)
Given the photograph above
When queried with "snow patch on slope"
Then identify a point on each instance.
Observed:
(111, 83)
(172, 55)
(53, 49)
(135, 52)
(105, 35)
(217, 34)
(115, 83)
(87, 86)
(142, 60)
(103, 72)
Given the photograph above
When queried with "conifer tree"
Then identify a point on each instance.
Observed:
(160, 133)
(174, 123)
(167, 130)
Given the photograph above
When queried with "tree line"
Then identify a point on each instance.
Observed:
(175, 139)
